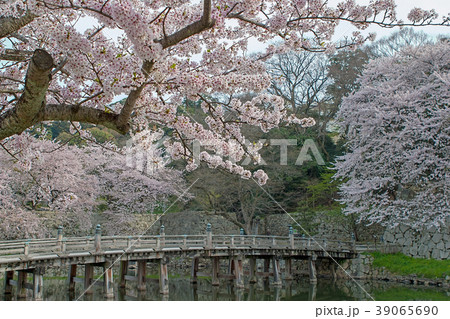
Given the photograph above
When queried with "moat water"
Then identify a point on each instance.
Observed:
(56, 289)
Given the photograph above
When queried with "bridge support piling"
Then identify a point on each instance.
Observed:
(253, 278)
(71, 277)
(333, 270)
(215, 271)
(141, 273)
(163, 277)
(288, 269)
(312, 269)
(38, 284)
(9, 275)
(21, 284)
(312, 293)
(266, 265)
(194, 270)
(231, 270)
(108, 280)
(88, 277)
(238, 273)
(122, 273)
(276, 272)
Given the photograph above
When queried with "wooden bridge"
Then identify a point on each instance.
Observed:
(35, 255)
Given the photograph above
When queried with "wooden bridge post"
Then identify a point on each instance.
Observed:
(59, 238)
(163, 277)
(288, 269)
(88, 277)
(162, 236)
(276, 272)
(129, 243)
(291, 237)
(312, 293)
(266, 265)
(141, 273)
(253, 278)
(38, 283)
(26, 249)
(64, 245)
(71, 277)
(98, 239)
(122, 273)
(242, 233)
(231, 271)
(9, 275)
(194, 270)
(288, 289)
(238, 273)
(215, 271)
(333, 270)
(184, 241)
(208, 244)
(312, 269)
(21, 284)
(108, 280)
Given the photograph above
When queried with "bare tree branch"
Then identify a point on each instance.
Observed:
(16, 55)
(194, 28)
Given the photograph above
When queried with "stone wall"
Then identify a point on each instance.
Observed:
(326, 226)
(194, 223)
(426, 243)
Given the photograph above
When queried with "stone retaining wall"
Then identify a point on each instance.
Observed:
(326, 227)
(426, 243)
(194, 223)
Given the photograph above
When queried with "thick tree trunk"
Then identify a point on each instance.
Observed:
(25, 112)
(31, 108)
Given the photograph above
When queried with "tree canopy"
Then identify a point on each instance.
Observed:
(398, 131)
(162, 53)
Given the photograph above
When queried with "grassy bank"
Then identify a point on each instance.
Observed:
(404, 265)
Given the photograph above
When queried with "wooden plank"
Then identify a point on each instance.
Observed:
(53, 256)
(171, 249)
(9, 260)
(143, 250)
(114, 252)
(79, 254)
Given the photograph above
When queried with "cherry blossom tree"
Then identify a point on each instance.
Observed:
(398, 130)
(45, 175)
(47, 184)
(129, 193)
(164, 52)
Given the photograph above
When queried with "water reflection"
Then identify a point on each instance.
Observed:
(182, 289)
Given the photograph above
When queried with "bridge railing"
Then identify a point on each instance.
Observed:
(97, 244)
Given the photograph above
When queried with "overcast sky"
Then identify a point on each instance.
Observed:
(442, 7)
